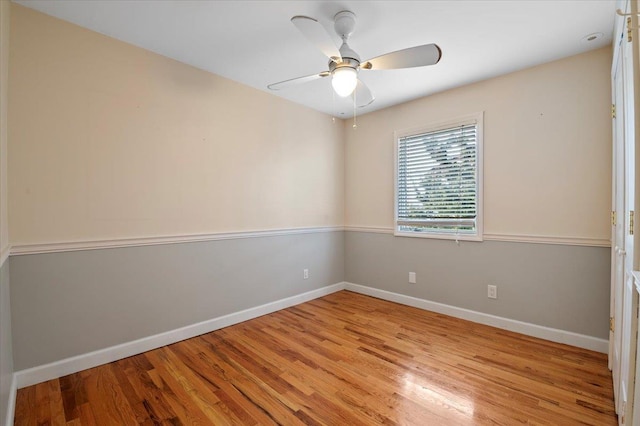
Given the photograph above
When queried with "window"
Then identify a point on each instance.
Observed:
(439, 180)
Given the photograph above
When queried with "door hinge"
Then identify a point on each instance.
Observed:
(613, 111)
(613, 218)
(612, 324)
(629, 37)
(631, 222)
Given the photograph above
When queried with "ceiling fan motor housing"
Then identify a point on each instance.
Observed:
(344, 23)
(346, 62)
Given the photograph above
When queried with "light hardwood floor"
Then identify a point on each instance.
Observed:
(344, 359)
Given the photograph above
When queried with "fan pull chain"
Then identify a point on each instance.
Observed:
(355, 123)
(333, 105)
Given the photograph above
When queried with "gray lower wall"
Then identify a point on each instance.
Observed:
(559, 286)
(66, 304)
(6, 355)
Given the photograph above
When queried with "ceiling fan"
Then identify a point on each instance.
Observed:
(345, 64)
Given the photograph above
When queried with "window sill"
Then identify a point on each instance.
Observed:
(438, 236)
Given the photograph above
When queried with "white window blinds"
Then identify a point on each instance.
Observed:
(437, 178)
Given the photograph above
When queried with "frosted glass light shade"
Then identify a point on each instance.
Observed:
(344, 81)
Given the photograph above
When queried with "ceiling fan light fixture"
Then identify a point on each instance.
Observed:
(344, 81)
(345, 64)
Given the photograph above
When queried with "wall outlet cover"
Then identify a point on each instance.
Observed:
(492, 292)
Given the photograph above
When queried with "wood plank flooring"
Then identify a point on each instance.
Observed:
(344, 359)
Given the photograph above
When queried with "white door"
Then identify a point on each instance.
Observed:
(617, 183)
(617, 232)
(628, 340)
(618, 237)
(623, 342)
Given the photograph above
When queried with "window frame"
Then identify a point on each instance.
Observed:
(478, 117)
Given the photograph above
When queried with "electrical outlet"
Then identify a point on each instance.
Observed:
(492, 292)
(412, 277)
(305, 274)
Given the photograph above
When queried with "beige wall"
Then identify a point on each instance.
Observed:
(5, 10)
(112, 141)
(547, 143)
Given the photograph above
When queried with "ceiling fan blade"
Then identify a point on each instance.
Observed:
(418, 56)
(363, 95)
(298, 80)
(317, 35)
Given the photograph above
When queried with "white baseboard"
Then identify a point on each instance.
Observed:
(74, 364)
(11, 404)
(4, 254)
(547, 333)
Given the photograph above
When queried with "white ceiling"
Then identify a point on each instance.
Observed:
(254, 43)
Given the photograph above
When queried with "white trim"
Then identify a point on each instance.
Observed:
(547, 333)
(4, 254)
(11, 403)
(545, 239)
(514, 238)
(370, 229)
(38, 248)
(440, 236)
(636, 279)
(618, 33)
(74, 364)
(19, 249)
